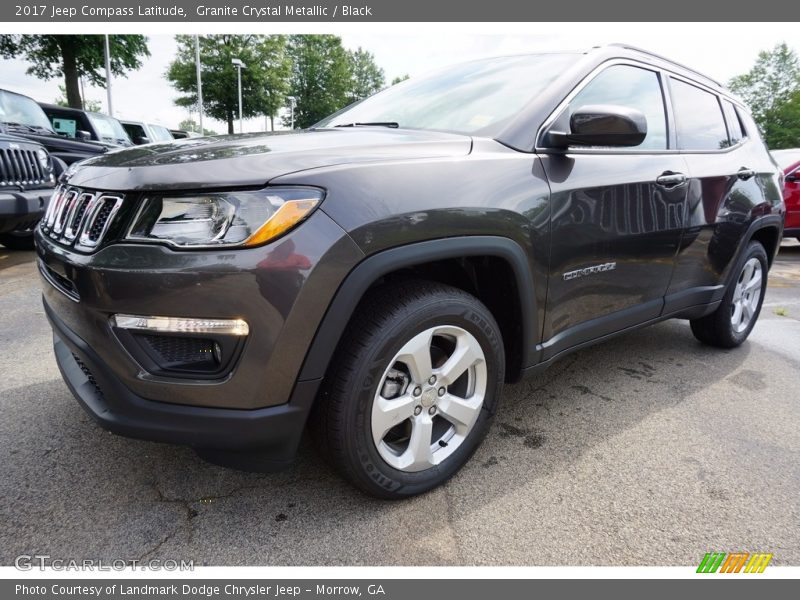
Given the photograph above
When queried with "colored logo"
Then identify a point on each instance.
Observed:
(735, 562)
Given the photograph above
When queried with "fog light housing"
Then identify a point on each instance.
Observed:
(182, 347)
(237, 327)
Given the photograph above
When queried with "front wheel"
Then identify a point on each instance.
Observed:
(17, 241)
(412, 389)
(734, 319)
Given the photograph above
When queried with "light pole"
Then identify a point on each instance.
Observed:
(239, 66)
(292, 103)
(108, 75)
(199, 83)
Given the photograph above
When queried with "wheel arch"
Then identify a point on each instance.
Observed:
(375, 268)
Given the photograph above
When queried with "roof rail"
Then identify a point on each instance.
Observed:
(664, 58)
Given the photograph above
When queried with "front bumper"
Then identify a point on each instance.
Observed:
(282, 290)
(274, 431)
(22, 209)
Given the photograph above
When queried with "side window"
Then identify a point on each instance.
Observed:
(735, 131)
(698, 118)
(64, 126)
(632, 87)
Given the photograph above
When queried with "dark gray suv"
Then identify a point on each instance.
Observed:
(382, 274)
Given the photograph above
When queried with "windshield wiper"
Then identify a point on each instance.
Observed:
(33, 128)
(390, 124)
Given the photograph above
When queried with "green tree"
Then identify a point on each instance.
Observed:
(320, 78)
(397, 80)
(90, 105)
(263, 78)
(781, 125)
(772, 90)
(191, 125)
(75, 56)
(366, 77)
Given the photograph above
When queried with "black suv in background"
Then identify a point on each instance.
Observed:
(382, 274)
(86, 125)
(27, 179)
(22, 116)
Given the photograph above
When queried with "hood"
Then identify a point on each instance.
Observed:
(254, 159)
(57, 143)
(7, 140)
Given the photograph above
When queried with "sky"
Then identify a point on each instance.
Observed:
(720, 50)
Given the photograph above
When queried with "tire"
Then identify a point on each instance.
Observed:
(730, 324)
(349, 418)
(17, 241)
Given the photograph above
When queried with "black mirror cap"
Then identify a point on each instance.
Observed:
(83, 135)
(603, 125)
(141, 140)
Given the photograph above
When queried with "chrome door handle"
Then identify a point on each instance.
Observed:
(745, 173)
(670, 179)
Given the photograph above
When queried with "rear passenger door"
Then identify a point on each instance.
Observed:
(724, 191)
(617, 216)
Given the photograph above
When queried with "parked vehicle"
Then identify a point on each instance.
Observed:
(27, 179)
(180, 134)
(789, 161)
(383, 273)
(22, 116)
(86, 125)
(144, 133)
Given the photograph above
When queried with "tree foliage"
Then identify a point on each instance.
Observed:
(192, 125)
(88, 104)
(320, 79)
(75, 56)
(264, 78)
(397, 80)
(366, 77)
(772, 91)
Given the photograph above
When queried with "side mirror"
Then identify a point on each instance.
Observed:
(603, 125)
(83, 135)
(141, 140)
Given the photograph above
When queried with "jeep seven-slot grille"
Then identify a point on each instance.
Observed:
(80, 218)
(21, 168)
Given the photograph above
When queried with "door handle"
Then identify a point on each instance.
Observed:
(668, 179)
(745, 173)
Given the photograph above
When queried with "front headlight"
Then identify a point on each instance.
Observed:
(44, 159)
(217, 219)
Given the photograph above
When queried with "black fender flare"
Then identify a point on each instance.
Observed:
(773, 221)
(375, 266)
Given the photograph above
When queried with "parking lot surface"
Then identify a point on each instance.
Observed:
(650, 449)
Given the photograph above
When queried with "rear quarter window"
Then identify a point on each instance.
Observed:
(735, 130)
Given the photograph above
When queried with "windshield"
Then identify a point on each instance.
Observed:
(15, 108)
(160, 133)
(478, 97)
(109, 129)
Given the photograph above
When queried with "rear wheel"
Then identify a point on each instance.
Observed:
(17, 241)
(734, 319)
(412, 389)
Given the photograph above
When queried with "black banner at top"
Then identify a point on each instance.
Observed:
(266, 11)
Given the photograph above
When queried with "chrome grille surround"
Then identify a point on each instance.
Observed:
(80, 218)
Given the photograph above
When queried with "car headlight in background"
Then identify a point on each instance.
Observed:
(246, 218)
(44, 159)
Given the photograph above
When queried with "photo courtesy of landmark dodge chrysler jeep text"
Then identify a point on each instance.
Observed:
(380, 275)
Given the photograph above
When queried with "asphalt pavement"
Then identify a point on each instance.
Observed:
(650, 449)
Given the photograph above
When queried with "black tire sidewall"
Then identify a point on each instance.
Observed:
(754, 250)
(374, 471)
